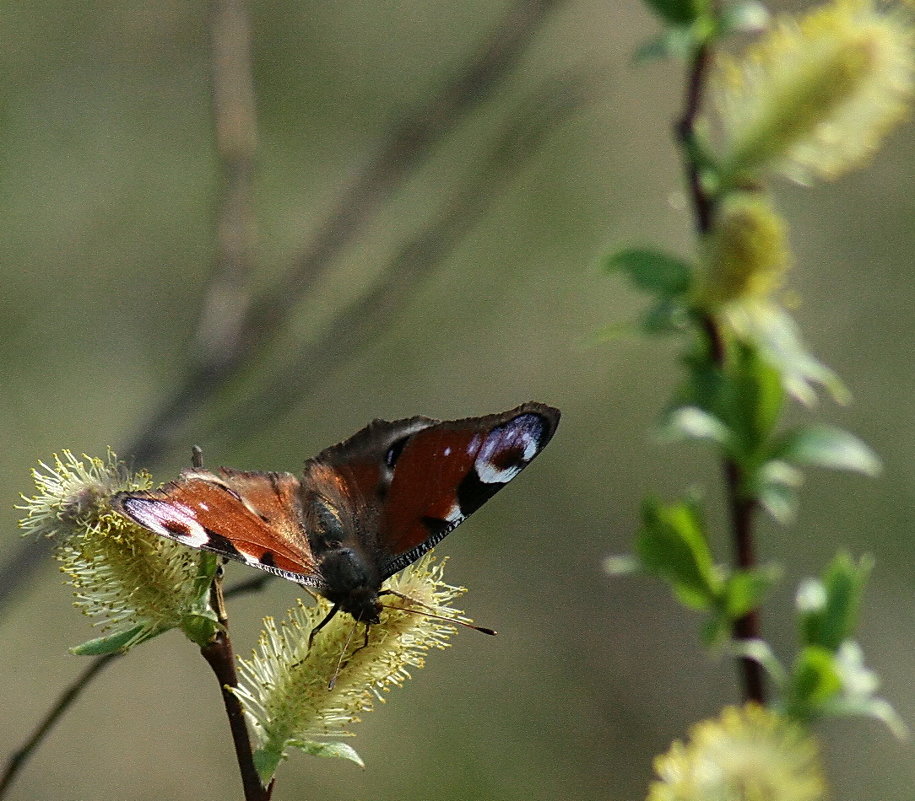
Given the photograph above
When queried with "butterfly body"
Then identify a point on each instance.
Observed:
(363, 509)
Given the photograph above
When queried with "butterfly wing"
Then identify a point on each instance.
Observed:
(389, 492)
(253, 517)
(425, 477)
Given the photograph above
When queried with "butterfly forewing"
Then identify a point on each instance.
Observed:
(250, 516)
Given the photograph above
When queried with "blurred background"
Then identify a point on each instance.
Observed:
(109, 191)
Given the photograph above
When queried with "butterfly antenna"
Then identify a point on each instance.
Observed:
(481, 629)
(417, 602)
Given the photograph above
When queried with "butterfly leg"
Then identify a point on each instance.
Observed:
(322, 624)
(340, 663)
(196, 457)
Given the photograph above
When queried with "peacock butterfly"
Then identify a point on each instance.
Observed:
(363, 509)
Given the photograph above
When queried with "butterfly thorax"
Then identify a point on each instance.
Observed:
(336, 529)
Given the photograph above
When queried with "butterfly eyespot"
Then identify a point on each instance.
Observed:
(394, 451)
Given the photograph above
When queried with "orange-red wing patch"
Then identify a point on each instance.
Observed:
(430, 468)
(250, 516)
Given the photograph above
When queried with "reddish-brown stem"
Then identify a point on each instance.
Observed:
(746, 627)
(685, 129)
(69, 697)
(741, 508)
(221, 658)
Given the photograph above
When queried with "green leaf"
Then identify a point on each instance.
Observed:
(667, 316)
(200, 627)
(715, 630)
(749, 16)
(336, 750)
(673, 546)
(828, 608)
(775, 485)
(780, 501)
(678, 12)
(779, 342)
(691, 422)
(118, 642)
(870, 707)
(824, 682)
(746, 399)
(207, 565)
(744, 590)
(651, 270)
(266, 761)
(814, 680)
(759, 651)
(750, 402)
(827, 446)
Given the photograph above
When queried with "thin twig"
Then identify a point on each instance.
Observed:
(67, 698)
(75, 690)
(227, 298)
(741, 508)
(408, 143)
(221, 658)
(402, 277)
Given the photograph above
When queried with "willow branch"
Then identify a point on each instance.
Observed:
(221, 658)
(67, 698)
(407, 144)
(741, 508)
(403, 275)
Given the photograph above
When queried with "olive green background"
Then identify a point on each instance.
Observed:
(107, 194)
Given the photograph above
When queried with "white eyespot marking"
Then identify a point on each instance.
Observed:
(173, 520)
(204, 506)
(489, 474)
(508, 449)
(447, 451)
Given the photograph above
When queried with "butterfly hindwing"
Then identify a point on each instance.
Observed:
(445, 471)
(253, 517)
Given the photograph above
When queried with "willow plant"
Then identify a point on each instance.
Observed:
(809, 98)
